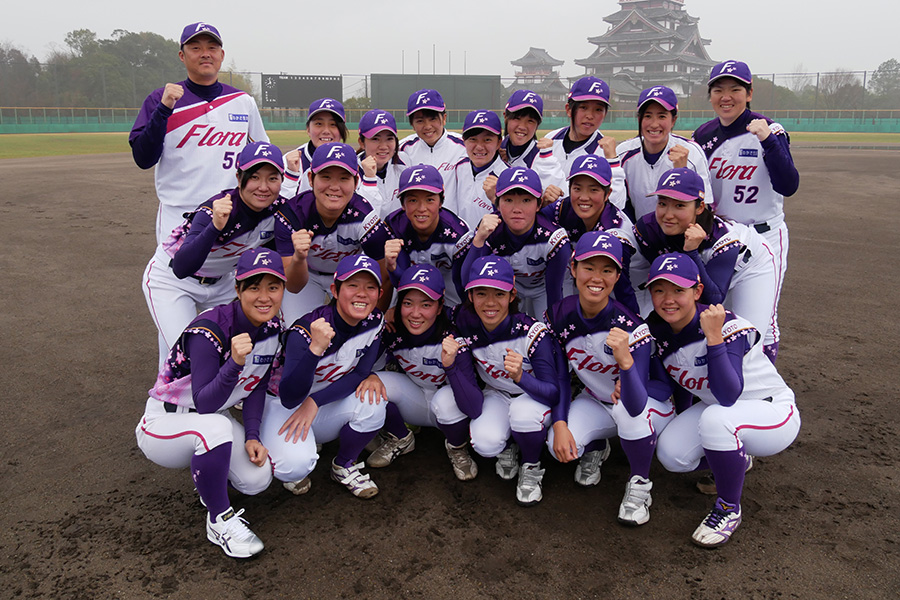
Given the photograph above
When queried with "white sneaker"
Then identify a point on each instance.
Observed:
(718, 526)
(508, 462)
(635, 507)
(230, 531)
(298, 488)
(353, 479)
(588, 470)
(528, 490)
(464, 467)
(390, 448)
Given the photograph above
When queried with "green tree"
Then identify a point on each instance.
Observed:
(886, 79)
(18, 77)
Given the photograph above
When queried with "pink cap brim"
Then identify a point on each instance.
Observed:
(659, 101)
(421, 186)
(428, 107)
(519, 186)
(674, 194)
(422, 288)
(353, 272)
(676, 279)
(335, 163)
(732, 75)
(485, 127)
(370, 133)
(591, 253)
(588, 173)
(259, 270)
(585, 97)
(518, 107)
(332, 111)
(491, 283)
(278, 166)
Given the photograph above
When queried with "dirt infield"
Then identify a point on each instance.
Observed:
(87, 516)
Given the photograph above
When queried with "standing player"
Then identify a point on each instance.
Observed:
(431, 144)
(192, 131)
(750, 163)
(586, 107)
(193, 269)
(605, 343)
(520, 146)
(324, 124)
(656, 150)
(745, 407)
(470, 190)
(518, 364)
(735, 265)
(379, 161)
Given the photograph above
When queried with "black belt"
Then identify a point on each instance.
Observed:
(761, 227)
(172, 408)
(202, 280)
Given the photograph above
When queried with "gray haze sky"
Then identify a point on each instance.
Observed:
(365, 36)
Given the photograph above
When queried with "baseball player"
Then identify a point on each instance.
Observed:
(520, 146)
(224, 356)
(324, 124)
(431, 144)
(192, 131)
(586, 107)
(605, 343)
(518, 364)
(417, 390)
(538, 251)
(425, 232)
(736, 266)
(655, 150)
(745, 407)
(328, 352)
(471, 188)
(379, 161)
(340, 222)
(585, 209)
(750, 164)
(192, 270)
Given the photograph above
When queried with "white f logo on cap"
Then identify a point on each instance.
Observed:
(412, 176)
(420, 273)
(487, 265)
(516, 173)
(666, 261)
(528, 97)
(600, 239)
(261, 256)
(380, 118)
(727, 66)
(364, 260)
(423, 97)
(596, 87)
(333, 149)
(671, 177)
(260, 148)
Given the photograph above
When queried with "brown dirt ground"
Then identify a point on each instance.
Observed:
(87, 516)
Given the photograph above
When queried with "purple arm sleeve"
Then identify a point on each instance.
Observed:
(211, 385)
(283, 243)
(634, 381)
(560, 412)
(299, 370)
(403, 263)
(464, 384)
(196, 246)
(348, 382)
(149, 132)
(253, 408)
(623, 290)
(457, 273)
(726, 370)
(543, 385)
(556, 272)
(716, 274)
(782, 172)
(373, 243)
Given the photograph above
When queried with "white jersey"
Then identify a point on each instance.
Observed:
(641, 178)
(540, 161)
(617, 195)
(464, 191)
(443, 156)
(383, 193)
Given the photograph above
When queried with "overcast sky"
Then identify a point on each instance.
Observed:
(364, 36)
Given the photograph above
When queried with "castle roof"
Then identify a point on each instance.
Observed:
(537, 57)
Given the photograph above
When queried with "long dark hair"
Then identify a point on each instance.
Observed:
(442, 323)
(640, 117)
(244, 176)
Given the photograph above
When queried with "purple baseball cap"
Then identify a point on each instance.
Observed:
(595, 167)
(493, 272)
(357, 263)
(731, 68)
(675, 267)
(681, 184)
(599, 243)
(425, 100)
(425, 278)
(661, 94)
(335, 154)
(259, 260)
(421, 177)
(260, 152)
(194, 29)
(375, 121)
(326, 104)
(519, 177)
(482, 119)
(525, 99)
(590, 88)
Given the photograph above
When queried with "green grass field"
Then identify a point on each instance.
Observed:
(67, 144)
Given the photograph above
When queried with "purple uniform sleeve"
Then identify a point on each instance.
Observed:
(254, 404)
(716, 274)
(464, 383)
(556, 272)
(211, 384)
(348, 383)
(196, 246)
(543, 385)
(623, 290)
(726, 369)
(782, 172)
(373, 242)
(403, 263)
(560, 412)
(634, 381)
(149, 131)
(299, 370)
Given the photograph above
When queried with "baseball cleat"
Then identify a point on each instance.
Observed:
(718, 526)
(528, 490)
(372, 446)
(230, 531)
(390, 448)
(635, 507)
(359, 485)
(707, 483)
(508, 462)
(588, 470)
(464, 467)
(298, 488)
